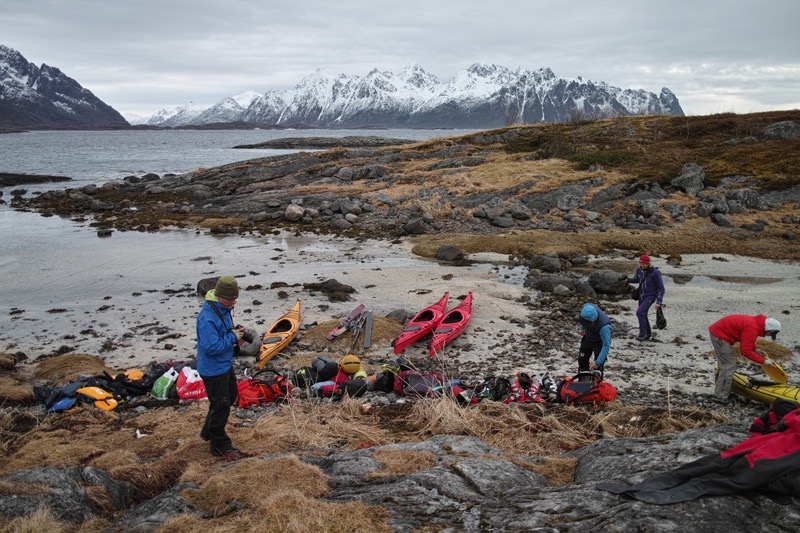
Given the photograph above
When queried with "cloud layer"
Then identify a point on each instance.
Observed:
(716, 56)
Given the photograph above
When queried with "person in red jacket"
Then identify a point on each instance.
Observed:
(743, 329)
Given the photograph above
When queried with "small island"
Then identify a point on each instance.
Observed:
(10, 179)
(326, 143)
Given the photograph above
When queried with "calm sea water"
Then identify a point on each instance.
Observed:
(100, 156)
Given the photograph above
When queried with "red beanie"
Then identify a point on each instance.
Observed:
(644, 258)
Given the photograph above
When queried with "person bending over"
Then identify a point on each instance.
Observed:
(743, 329)
(595, 329)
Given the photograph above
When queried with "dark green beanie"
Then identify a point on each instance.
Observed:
(226, 288)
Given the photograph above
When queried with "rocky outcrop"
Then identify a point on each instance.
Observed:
(470, 486)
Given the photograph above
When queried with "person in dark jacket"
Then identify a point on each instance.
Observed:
(745, 330)
(596, 338)
(216, 339)
(651, 291)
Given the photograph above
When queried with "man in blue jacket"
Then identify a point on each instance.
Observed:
(651, 291)
(216, 339)
(596, 330)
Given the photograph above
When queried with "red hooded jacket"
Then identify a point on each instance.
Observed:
(743, 329)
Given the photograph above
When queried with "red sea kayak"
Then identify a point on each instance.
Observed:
(423, 323)
(452, 324)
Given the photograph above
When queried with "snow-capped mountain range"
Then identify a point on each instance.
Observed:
(482, 96)
(32, 96)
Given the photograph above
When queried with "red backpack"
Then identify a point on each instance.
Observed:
(594, 391)
(258, 391)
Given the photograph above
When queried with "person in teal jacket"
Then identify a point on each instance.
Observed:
(596, 338)
(217, 338)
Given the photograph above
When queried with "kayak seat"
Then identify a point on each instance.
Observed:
(454, 317)
(283, 325)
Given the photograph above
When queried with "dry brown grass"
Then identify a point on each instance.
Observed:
(654, 148)
(210, 223)
(7, 362)
(151, 479)
(535, 431)
(399, 462)
(65, 368)
(692, 237)
(308, 425)
(776, 352)
(15, 392)
(40, 520)
(85, 434)
(240, 483)
(10, 487)
(288, 511)
(557, 470)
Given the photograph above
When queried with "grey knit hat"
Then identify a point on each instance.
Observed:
(226, 288)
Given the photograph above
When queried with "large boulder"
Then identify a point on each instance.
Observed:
(608, 282)
(781, 131)
(691, 179)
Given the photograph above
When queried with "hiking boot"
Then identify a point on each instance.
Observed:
(234, 455)
(231, 454)
(204, 436)
(641, 338)
(723, 401)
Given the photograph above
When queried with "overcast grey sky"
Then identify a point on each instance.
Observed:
(143, 55)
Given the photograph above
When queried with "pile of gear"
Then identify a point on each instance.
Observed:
(324, 377)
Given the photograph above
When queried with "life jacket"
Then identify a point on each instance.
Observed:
(576, 391)
(101, 398)
(260, 390)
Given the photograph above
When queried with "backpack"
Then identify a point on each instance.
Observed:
(581, 390)
(258, 391)
(351, 387)
(124, 384)
(325, 367)
(413, 383)
(303, 378)
(770, 420)
(493, 388)
(384, 381)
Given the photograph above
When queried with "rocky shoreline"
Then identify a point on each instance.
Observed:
(448, 187)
